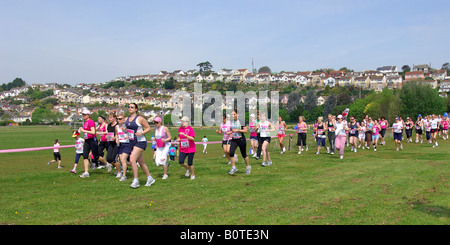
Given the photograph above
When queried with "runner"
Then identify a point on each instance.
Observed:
(320, 128)
(369, 126)
(331, 134)
(341, 135)
(225, 127)
(79, 142)
(112, 147)
(362, 135)
(124, 148)
(253, 135)
(354, 128)
(434, 123)
(427, 126)
(419, 129)
(383, 125)
(375, 134)
(301, 131)
(187, 146)
(137, 127)
(103, 143)
(56, 154)
(163, 137)
(281, 133)
(265, 127)
(444, 125)
(238, 140)
(204, 140)
(408, 129)
(90, 141)
(397, 129)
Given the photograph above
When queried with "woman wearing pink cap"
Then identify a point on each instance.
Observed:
(162, 137)
(90, 141)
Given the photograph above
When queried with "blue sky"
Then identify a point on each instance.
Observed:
(68, 41)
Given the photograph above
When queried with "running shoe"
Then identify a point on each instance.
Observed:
(165, 176)
(123, 178)
(248, 169)
(269, 163)
(49, 162)
(192, 177)
(73, 171)
(150, 181)
(233, 170)
(187, 173)
(263, 164)
(84, 175)
(134, 184)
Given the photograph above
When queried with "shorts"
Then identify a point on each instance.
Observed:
(434, 130)
(321, 140)
(102, 145)
(301, 139)
(362, 137)
(375, 137)
(124, 148)
(265, 139)
(254, 138)
(57, 156)
(77, 157)
(141, 144)
(281, 135)
(383, 132)
(226, 142)
(190, 157)
(398, 136)
(419, 131)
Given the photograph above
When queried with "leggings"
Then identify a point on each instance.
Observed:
(301, 140)
(340, 143)
(332, 140)
(113, 149)
(90, 145)
(242, 144)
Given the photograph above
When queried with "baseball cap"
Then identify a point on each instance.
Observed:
(75, 133)
(157, 119)
(86, 112)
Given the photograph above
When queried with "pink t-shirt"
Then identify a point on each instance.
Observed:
(102, 129)
(186, 146)
(87, 126)
(252, 126)
(225, 127)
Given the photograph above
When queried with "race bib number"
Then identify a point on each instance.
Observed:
(184, 143)
(130, 133)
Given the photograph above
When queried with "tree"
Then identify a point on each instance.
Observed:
(169, 84)
(329, 105)
(406, 68)
(310, 101)
(343, 99)
(293, 101)
(204, 66)
(265, 69)
(419, 98)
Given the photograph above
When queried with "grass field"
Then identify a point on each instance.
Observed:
(409, 187)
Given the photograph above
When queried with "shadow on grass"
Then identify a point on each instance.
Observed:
(436, 211)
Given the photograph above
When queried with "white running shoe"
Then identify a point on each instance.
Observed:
(134, 184)
(248, 169)
(233, 170)
(298, 153)
(84, 175)
(192, 177)
(342, 157)
(119, 175)
(123, 178)
(165, 176)
(150, 181)
(187, 173)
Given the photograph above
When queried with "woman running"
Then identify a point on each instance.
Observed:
(427, 126)
(408, 129)
(419, 129)
(434, 123)
(265, 127)
(281, 133)
(112, 147)
(253, 135)
(444, 125)
(397, 130)
(238, 140)
(369, 126)
(331, 134)
(354, 128)
(124, 148)
(90, 141)
(384, 124)
(225, 127)
(187, 147)
(362, 135)
(301, 131)
(163, 137)
(341, 135)
(375, 134)
(103, 143)
(137, 127)
(320, 128)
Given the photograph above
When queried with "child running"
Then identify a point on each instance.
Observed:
(56, 154)
(79, 142)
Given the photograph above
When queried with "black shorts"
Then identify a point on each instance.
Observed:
(419, 131)
(190, 157)
(265, 139)
(226, 142)
(241, 143)
(434, 130)
(57, 156)
(102, 145)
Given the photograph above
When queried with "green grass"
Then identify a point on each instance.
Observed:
(408, 187)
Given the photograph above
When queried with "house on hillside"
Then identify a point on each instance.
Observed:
(414, 75)
(394, 82)
(426, 69)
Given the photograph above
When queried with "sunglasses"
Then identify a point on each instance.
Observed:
(119, 118)
(131, 107)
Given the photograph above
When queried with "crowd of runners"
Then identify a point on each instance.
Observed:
(124, 140)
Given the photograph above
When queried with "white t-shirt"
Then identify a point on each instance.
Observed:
(79, 145)
(434, 123)
(56, 149)
(398, 127)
